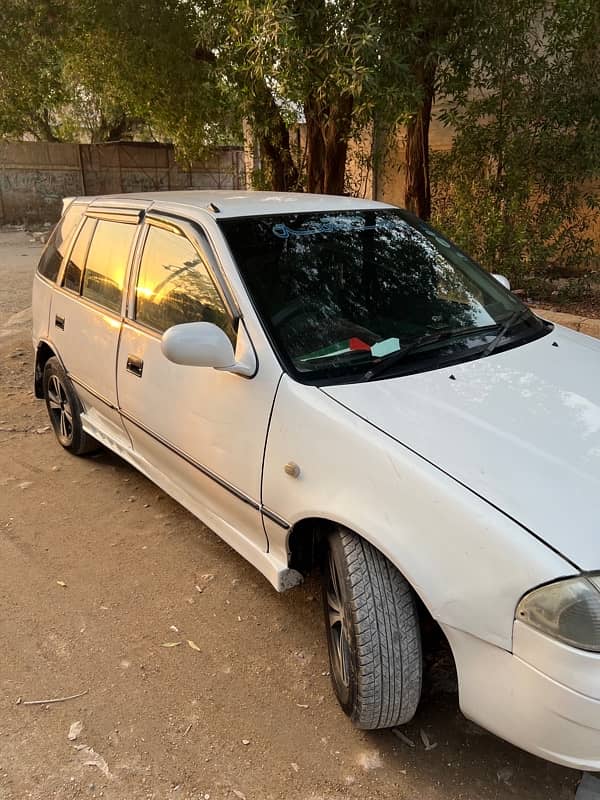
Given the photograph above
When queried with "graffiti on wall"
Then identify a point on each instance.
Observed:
(45, 183)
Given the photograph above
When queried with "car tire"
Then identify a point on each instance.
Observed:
(373, 633)
(63, 408)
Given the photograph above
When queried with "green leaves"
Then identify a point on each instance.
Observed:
(30, 83)
(515, 79)
(525, 115)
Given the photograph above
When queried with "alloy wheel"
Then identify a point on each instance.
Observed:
(60, 409)
(340, 655)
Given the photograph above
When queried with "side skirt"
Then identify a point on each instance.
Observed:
(275, 571)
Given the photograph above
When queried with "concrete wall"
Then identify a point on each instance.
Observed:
(35, 176)
(391, 175)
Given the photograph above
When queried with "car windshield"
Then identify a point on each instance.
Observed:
(342, 293)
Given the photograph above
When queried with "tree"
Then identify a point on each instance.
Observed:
(194, 71)
(336, 64)
(197, 69)
(51, 87)
(30, 73)
(527, 120)
(436, 31)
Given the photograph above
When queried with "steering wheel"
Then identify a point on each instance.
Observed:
(298, 306)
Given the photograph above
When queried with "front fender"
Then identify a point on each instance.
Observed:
(469, 563)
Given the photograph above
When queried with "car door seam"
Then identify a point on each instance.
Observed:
(266, 512)
(93, 392)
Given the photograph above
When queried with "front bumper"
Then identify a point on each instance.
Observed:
(544, 697)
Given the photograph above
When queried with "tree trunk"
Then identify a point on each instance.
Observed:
(281, 170)
(336, 135)
(118, 129)
(270, 130)
(44, 131)
(327, 131)
(315, 146)
(274, 139)
(417, 192)
(111, 130)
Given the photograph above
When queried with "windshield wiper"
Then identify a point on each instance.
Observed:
(514, 319)
(393, 359)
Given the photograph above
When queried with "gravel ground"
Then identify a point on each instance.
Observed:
(99, 570)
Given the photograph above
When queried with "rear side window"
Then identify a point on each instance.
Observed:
(106, 263)
(58, 243)
(174, 285)
(76, 262)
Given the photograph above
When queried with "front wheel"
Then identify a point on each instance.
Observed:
(373, 634)
(63, 409)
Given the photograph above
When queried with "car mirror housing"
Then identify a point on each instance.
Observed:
(503, 280)
(203, 344)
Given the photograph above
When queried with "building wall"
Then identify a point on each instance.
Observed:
(35, 176)
(389, 183)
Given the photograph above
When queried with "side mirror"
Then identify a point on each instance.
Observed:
(503, 280)
(202, 344)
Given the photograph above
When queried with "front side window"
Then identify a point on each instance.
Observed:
(58, 242)
(343, 292)
(106, 263)
(174, 285)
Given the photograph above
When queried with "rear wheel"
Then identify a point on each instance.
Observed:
(373, 634)
(63, 409)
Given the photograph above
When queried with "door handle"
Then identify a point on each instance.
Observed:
(59, 322)
(135, 365)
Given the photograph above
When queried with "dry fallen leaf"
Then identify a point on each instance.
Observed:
(193, 645)
(504, 775)
(94, 759)
(428, 745)
(61, 583)
(403, 737)
(170, 644)
(74, 730)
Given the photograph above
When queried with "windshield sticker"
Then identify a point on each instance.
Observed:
(385, 347)
(377, 350)
(357, 344)
(327, 352)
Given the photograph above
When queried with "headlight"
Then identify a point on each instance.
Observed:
(568, 610)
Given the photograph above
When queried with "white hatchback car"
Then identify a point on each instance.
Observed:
(329, 380)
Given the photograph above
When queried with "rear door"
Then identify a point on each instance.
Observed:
(86, 315)
(48, 270)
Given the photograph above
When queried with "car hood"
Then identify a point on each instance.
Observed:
(520, 428)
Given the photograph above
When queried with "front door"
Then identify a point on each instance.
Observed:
(204, 430)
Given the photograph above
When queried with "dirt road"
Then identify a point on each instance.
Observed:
(99, 570)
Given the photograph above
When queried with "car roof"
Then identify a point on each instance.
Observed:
(232, 203)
